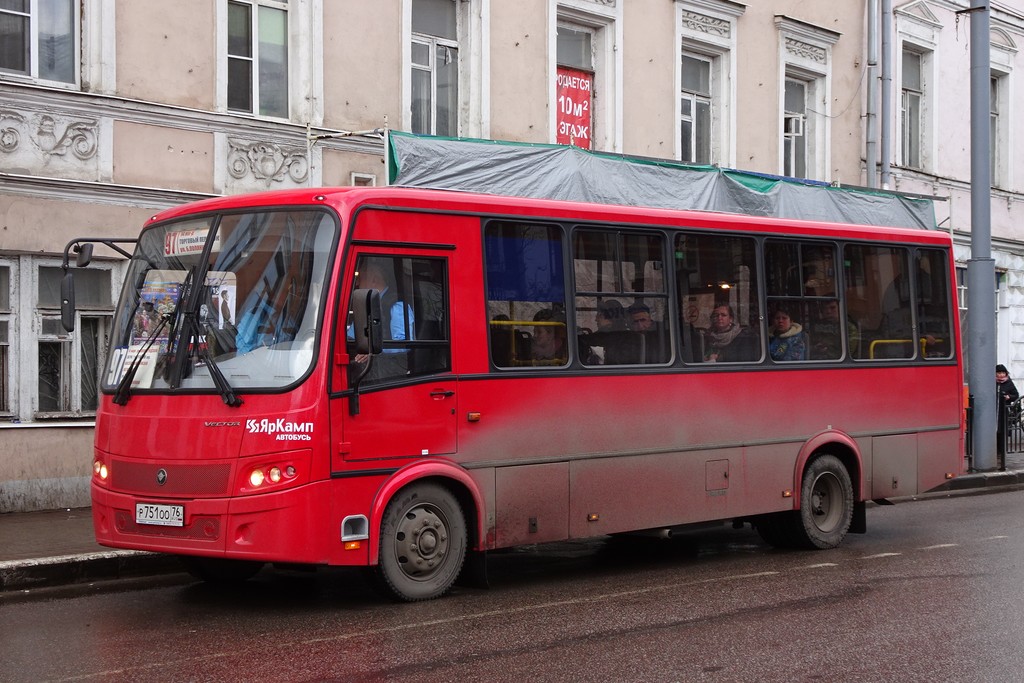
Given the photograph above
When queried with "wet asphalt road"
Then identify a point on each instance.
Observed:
(933, 592)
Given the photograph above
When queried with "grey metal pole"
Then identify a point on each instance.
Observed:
(981, 269)
(871, 113)
(885, 149)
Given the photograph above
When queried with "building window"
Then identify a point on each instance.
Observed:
(6, 377)
(435, 67)
(805, 101)
(911, 101)
(695, 117)
(38, 39)
(708, 33)
(794, 129)
(999, 135)
(585, 96)
(257, 49)
(70, 362)
(575, 84)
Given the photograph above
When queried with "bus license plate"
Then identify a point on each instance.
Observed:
(160, 515)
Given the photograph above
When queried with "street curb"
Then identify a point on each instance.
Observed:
(63, 570)
(981, 480)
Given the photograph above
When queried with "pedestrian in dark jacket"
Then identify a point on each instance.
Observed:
(1008, 396)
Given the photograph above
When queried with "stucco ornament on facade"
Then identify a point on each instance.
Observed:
(267, 162)
(806, 51)
(78, 136)
(49, 135)
(706, 24)
(9, 136)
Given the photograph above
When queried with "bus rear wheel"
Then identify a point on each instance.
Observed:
(826, 503)
(422, 543)
(825, 514)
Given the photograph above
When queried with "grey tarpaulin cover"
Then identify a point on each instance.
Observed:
(571, 173)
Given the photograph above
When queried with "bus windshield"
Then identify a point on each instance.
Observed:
(219, 301)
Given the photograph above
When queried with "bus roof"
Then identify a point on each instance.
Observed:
(346, 200)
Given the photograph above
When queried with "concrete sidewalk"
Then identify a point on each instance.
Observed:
(57, 548)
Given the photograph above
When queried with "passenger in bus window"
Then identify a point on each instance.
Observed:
(726, 341)
(397, 322)
(826, 335)
(787, 341)
(611, 316)
(640, 319)
(549, 346)
(397, 317)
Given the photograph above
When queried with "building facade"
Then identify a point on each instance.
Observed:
(111, 110)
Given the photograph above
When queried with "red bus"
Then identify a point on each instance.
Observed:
(405, 379)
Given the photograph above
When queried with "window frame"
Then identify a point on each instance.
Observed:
(697, 135)
(912, 104)
(796, 151)
(49, 316)
(9, 368)
(463, 21)
(32, 73)
(805, 54)
(291, 11)
(604, 23)
(710, 29)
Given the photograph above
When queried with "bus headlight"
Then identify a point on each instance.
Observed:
(256, 478)
(99, 469)
(273, 472)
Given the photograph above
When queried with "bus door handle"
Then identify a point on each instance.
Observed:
(441, 393)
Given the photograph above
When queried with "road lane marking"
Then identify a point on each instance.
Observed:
(940, 545)
(819, 565)
(874, 557)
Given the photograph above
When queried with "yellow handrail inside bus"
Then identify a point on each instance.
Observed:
(882, 342)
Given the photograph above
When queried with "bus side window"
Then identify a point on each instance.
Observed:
(933, 304)
(525, 292)
(718, 283)
(414, 315)
(878, 291)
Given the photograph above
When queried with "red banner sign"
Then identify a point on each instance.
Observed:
(575, 99)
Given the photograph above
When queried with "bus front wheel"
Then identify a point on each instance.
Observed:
(422, 543)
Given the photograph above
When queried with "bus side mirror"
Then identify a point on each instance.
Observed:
(83, 254)
(369, 337)
(67, 301)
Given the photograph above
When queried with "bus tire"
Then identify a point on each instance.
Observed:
(220, 571)
(826, 503)
(422, 543)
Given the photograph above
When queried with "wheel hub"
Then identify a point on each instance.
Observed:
(422, 542)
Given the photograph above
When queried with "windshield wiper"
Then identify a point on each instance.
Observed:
(124, 387)
(227, 393)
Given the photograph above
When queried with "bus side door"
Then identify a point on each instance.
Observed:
(407, 397)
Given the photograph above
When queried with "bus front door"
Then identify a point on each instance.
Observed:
(407, 398)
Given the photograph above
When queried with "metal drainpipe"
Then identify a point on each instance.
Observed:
(871, 118)
(886, 113)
